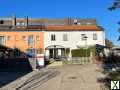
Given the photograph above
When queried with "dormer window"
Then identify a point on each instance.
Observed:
(75, 20)
(78, 23)
(20, 24)
(88, 23)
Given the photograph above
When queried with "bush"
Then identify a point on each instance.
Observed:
(80, 52)
(93, 50)
(67, 51)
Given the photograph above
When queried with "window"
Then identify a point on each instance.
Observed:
(83, 37)
(30, 40)
(39, 51)
(65, 38)
(21, 24)
(18, 24)
(8, 38)
(23, 38)
(38, 38)
(2, 40)
(88, 23)
(31, 52)
(78, 23)
(94, 36)
(75, 20)
(53, 37)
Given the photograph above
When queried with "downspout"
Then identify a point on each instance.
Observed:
(13, 21)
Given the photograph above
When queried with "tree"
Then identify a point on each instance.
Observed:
(114, 6)
(108, 43)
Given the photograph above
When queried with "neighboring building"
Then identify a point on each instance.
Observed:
(53, 36)
(20, 38)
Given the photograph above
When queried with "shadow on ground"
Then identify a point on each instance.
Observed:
(111, 70)
(11, 70)
(13, 65)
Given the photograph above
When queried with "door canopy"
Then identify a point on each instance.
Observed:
(55, 46)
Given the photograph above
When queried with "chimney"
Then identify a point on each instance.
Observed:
(26, 21)
(69, 21)
(13, 21)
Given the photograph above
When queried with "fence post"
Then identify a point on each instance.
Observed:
(91, 57)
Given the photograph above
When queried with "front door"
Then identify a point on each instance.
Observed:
(51, 53)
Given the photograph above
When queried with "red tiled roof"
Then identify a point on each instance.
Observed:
(73, 27)
(64, 27)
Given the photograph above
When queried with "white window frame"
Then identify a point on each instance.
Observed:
(95, 37)
(65, 37)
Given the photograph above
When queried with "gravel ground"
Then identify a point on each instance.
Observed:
(64, 77)
(74, 77)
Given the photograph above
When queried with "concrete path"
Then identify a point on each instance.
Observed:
(73, 77)
(61, 77)
(57, 63)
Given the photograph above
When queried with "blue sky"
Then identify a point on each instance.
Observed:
(66, 8)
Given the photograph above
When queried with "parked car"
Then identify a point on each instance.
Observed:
(115, 51)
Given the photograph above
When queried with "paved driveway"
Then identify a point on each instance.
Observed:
(73, 77)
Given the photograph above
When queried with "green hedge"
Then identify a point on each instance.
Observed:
(80, 52)
(67, 51)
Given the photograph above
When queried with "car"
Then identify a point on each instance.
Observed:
(116, 51)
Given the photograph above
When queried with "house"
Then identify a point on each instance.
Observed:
(64, 37)
(17, 34)
(51, 37)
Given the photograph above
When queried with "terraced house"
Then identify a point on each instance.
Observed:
(51, 37)
(20, 38)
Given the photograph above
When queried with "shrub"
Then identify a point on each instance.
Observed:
(67, 51)
(80, 52)
(93, 50)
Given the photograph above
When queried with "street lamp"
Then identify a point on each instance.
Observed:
(54, 52)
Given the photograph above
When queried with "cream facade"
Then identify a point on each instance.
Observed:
(74, 40)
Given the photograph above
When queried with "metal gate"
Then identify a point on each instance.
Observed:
(77, 60)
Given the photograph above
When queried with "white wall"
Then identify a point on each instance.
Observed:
(74, 38)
